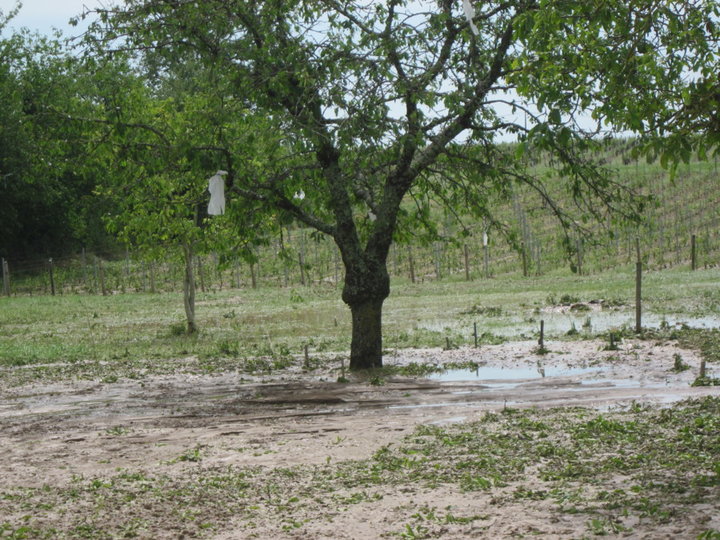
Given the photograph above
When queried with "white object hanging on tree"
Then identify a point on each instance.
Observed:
(470, 15)
(300, 195)
(216, 187)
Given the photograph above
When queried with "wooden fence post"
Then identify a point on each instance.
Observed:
(301, 264)
(200, 273)
(52, 277)
(579, 254)
(467, 263)
(412, 265)
(252, 276)
(218, 272)
(638, 290)
(96, 278)
(144, 277)
(85, 272)
(6, 277)
(101, 274)
(151, 266)
(301, 257)
(336, 261)
(236, 272)
(395, 258)
(126, 271)
(486, 255)
(693, 253)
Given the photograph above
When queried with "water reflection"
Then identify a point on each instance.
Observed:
(489, 373)
(561, 323)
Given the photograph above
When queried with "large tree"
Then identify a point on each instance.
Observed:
(384, 101)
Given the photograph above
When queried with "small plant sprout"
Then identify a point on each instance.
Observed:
(678, 364)
(192, 456)
(613, 344)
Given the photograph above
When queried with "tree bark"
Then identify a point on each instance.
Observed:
(189, 290)
(366, 345)
(367, 285)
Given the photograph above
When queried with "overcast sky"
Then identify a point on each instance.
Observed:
(44, 15)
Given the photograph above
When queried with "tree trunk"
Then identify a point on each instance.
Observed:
(367, 285)
(189, 290)
(366, 345)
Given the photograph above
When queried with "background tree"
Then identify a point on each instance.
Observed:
(162, 146)
(385, 102)
(47, 204)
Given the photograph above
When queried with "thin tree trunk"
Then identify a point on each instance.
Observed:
(189, 290)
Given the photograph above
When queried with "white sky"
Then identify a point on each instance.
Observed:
(45, 15)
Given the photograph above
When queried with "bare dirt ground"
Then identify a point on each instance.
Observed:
(53, 434)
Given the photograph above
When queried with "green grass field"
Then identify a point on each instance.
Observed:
(88, 336)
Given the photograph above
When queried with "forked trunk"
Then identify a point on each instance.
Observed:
(366, 345)
(189, 290)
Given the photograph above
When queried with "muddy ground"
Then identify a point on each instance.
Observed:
(54, 434)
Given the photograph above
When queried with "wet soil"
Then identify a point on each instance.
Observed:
(53, 433)
(161, 416)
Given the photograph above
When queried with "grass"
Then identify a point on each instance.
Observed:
(129, 336)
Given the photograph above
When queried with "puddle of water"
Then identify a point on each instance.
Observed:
(560, 323)
(439, 404)
(452, 420)
(485, 373)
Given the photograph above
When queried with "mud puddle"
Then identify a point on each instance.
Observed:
(499, 373)
(559, 320)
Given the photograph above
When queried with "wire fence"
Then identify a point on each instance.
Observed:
(682, 228)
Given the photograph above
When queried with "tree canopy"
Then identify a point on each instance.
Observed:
(162, 145)
(47, 204)
(373, 105)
